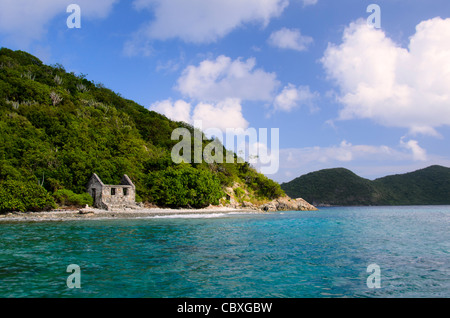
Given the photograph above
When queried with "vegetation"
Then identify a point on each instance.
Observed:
(17, 196)
(65, 197)
(429, 186)
(184, 186)
(57, 128)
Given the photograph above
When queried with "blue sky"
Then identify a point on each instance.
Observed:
(341, 93)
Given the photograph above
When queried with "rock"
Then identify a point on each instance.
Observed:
(86, 210)
(246, 204)
(287, 204)
(269, 207)
(302, 205)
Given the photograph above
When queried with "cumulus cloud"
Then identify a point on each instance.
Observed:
(177, 111)
(394, 86)
(344, 152)
(24, 21)
(419, 154)
(213, 81)
(221, 115)
(216, 80)
(292, 97)
(362, 159)
(290, 39)
(205, 21)
(370, 161)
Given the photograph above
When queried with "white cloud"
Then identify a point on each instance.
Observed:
(24, 21)
(222, 78)
(365, 160)
(419, 154)
(336, 155)
(137, 46)
(222, 115)
(216, 80)
(394, 86)
(290, 39)
(178, 111)
(292, 97)
(204, 21)
(309, 2)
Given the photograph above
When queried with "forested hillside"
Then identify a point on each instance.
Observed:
(429, 186)
(57, 128)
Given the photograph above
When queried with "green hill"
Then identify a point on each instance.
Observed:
(57, 128)
(429, 186)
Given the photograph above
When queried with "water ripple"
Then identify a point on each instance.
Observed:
(292, 254)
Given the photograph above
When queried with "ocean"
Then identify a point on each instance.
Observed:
(335, 252)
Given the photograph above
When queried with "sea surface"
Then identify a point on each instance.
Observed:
(277, 255)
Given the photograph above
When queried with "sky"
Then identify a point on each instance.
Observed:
(367, 90)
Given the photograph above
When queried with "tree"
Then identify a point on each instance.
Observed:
(184, 186)
(24, 197)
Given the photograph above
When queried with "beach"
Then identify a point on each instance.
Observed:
(93, 214)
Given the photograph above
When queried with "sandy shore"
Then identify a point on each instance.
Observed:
(95, 214)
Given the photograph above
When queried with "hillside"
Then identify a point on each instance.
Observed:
(57, 128)
(429, 186)
(333, 187)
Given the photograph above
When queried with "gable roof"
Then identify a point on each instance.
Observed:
(96, 178)
(126, 181)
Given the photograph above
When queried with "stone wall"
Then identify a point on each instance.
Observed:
(95, 188)
(108, 197)
(118, 196)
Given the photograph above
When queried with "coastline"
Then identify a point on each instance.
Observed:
(97, 214)
(136, 212)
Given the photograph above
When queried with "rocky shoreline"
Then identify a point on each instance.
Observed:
(96, 214)
(288, 204)
(88, 213)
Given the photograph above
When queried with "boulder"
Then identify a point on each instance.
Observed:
(287, 204)
(86, 210)
(249, 205)
(269, 207)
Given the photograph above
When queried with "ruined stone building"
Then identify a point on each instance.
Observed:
(112, 197)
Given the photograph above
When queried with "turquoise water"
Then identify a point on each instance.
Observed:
(290, 254)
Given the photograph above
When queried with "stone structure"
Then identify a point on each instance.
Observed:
(112, 197)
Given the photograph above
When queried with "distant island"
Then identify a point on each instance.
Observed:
(342, 187)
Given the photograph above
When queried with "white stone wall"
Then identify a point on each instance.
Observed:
(119, 199)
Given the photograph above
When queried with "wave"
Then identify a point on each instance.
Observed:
(194, 216)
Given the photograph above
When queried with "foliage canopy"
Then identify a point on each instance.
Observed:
(57, 128)
(429, 186)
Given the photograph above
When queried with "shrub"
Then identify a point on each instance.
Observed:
(17, 196)
(68, 198)
(184, 186)
(240, 194)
